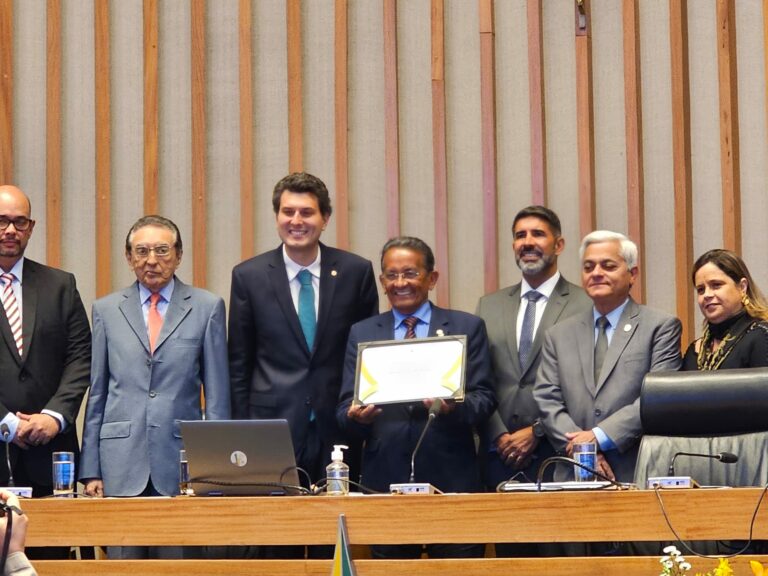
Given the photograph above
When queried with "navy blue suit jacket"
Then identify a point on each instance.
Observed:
(273, 373)
(447, 457)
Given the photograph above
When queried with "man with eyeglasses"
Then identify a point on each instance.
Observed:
(447, 457)
(45, 355)
(156, 345)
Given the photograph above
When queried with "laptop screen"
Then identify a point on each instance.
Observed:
(240, 457)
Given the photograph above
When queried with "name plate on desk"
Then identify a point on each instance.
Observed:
(393, 371)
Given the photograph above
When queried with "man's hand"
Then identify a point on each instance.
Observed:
(363, 414)
(446, 407)
(603, 467)
(578, 438)
(19, 528)
(94, 487)
(515, 448)
(40, 428)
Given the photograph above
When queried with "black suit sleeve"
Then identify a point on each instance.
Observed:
(242, 338)
(479, 400)
(75, 376)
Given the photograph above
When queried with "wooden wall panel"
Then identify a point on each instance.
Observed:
(6, 91)
(391, 119)
(245, 37)
(341, 41)
(585, 117)
(681, 134)
(103, 151)
(199, 157)
(151, 108)
(536, 104)
(53, 135)
(295, 95)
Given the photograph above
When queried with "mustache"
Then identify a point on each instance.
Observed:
(530, 251)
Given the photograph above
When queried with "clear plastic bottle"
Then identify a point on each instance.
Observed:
(337, 473)
(185, 488)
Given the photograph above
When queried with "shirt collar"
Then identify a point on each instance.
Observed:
(293, 269)
(166, 292)
(18, 269)
(423, 313)
(545, 288)
(613, 316)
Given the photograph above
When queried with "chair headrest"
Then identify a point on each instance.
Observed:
(708, 403)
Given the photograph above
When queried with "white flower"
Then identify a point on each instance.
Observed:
(668, 564)
(685, 566)
(669, 550)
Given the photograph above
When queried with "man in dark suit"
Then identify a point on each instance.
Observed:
(45, 353)
(286, 339)
(512, 441)
(593, 364)
(447, 457)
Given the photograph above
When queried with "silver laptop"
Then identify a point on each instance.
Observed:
(240, 457)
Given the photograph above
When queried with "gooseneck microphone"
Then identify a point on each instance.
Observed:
(724, 457)
(6, 432)
(434, 410)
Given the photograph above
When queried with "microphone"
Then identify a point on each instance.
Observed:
(724, 457)
(412, 487)
(6, 432)
(434, 410)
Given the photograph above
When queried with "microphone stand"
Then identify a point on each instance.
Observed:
(565, 460)
(6, 432)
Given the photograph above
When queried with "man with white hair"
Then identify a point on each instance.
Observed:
(588, 384)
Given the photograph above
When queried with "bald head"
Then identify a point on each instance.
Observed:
(15, 225)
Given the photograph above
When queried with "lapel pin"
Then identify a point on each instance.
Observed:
(440, 332)
(627, 327)
(334, 273)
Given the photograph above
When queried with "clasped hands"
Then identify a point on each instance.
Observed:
(367, 414)
(35, 430)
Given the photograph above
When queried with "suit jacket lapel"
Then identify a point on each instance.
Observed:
(329, 276)
(586, 346)
(621, 337)
(178, 308)
(509, 319)
(278, 277)
(552, 311)
(130, 307)
(439, 321)
(28, 310)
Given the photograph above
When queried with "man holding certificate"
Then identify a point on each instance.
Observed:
(447, 457)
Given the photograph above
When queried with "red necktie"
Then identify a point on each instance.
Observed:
(154, 321)
(410, 324)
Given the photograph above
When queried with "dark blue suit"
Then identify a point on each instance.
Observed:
(272, 371)
(447, 457)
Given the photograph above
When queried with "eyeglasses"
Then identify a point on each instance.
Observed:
(21, 223)
(143, 252)
(407, 275)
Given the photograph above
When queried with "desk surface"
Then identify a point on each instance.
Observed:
(520, 517)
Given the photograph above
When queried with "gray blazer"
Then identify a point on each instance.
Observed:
(568, 397)
(514, 384)
(136, 399)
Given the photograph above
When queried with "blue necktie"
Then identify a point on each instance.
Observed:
(307, 307)
(526, 334)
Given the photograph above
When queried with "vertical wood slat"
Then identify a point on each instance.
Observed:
(341, 124)
(199, 215)
(53, 134)
(295, 117)
(392, 120)
(440, 164)
(681, 154)
(151, 108)
(488, 131)
(633, 120)
(247, 220)
(536, 103)
(103, 151)
(584, 117)
(729, 124)
(6, 91)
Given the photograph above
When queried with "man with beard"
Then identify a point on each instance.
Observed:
(513, 442)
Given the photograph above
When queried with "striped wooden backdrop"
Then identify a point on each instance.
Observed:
(437, 118)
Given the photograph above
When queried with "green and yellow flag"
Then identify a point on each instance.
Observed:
(342, 559)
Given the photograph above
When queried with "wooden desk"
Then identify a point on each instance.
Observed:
(525, 517)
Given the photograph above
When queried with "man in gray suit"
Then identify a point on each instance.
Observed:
(593, 364)
(517, 318)
(156, 344)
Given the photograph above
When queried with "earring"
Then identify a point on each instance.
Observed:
(745, 300)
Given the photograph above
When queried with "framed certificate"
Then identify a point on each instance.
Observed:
(391, 371)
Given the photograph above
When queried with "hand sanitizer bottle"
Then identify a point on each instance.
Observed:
(337, 473)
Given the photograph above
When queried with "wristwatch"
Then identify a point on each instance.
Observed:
(538, 428)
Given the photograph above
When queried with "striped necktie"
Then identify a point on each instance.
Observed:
(12, 311)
